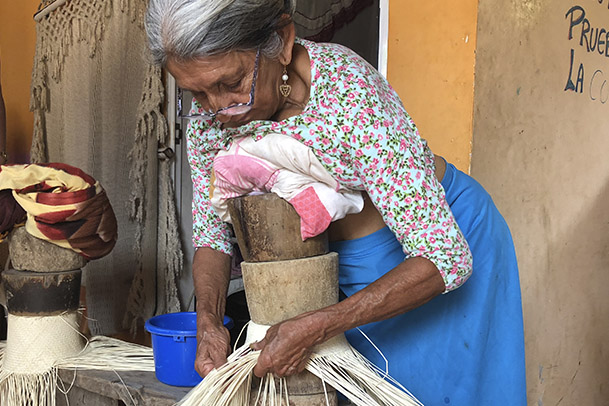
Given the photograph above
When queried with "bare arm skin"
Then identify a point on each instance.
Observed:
(211, 275)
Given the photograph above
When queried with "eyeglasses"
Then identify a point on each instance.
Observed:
(232, 110)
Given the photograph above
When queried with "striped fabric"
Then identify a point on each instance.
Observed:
(11, 214)
(64, 206)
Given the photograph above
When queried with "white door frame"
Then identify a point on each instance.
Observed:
(383, 36)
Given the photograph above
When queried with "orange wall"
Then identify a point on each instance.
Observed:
(430, 63)
(17, 44)
(431, 53)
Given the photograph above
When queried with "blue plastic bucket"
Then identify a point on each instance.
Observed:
(174, 345)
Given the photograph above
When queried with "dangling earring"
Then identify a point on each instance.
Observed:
(284, 88)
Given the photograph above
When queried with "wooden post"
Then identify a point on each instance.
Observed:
(44, 279)
(268, 229)
(41, 293)
(283, 277)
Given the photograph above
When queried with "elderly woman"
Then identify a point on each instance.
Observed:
(404, 259)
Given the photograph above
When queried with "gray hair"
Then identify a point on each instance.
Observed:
(190, 29)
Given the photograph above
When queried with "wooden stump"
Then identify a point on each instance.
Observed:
(41, 293)
(44, 279)
(280, 290)
(268, 229)
(29, 253)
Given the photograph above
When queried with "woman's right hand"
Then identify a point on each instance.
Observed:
(213, 346)
(211, 274)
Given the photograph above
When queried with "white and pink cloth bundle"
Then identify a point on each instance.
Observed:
(280, 164)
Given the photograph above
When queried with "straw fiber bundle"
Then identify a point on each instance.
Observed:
(335, 363)
(37, 347)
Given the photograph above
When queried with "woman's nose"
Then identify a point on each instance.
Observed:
(222, 101)
(223, 118)
(214, 102)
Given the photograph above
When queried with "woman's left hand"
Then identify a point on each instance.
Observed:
(286, 348)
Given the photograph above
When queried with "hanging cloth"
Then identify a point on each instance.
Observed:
(318, 20)
(97, 104)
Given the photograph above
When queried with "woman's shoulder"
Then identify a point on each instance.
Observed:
(339, 72)
(326, 49)
(336, 58)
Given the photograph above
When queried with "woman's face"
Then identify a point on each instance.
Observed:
(220, 81)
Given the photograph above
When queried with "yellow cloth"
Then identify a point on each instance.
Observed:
(64, 206)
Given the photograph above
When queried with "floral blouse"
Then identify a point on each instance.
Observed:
(359, 130)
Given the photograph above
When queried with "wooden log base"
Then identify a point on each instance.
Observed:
(280, 290)
(41, 294)
(29, 253)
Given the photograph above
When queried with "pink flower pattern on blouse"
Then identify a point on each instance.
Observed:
(359, 130)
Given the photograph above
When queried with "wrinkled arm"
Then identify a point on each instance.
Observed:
(211, 275)
(407, 286)
(287, 345)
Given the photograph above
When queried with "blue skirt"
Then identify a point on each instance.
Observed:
(463, 348)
